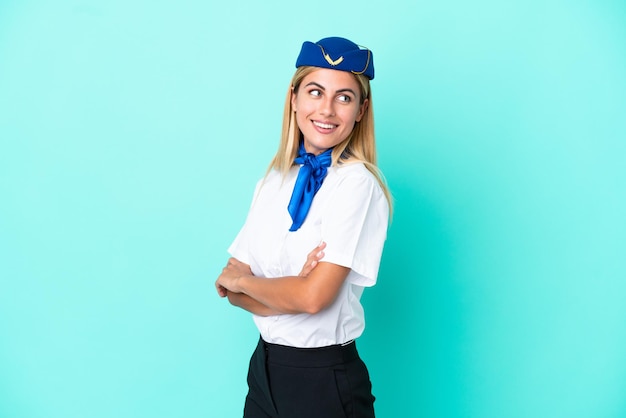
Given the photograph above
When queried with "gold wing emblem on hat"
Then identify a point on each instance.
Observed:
(331, 61)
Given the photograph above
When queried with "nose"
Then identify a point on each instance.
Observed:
(327, 106)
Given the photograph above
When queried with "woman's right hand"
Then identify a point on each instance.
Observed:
(312, 259)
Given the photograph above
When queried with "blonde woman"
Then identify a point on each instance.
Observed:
(323, 191)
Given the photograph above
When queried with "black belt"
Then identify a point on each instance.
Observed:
(310, 357)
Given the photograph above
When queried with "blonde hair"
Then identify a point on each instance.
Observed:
(359, 146)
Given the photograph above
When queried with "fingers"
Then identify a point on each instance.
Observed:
(313, 259)
(317, 254)
(320, 247)
(222, 280)
(229, 278)
(221, 290)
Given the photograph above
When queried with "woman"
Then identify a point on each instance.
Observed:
(324, 192)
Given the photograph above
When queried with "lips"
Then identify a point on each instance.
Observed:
(323, 125)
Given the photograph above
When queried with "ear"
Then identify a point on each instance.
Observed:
(293, 99)
(362, 110)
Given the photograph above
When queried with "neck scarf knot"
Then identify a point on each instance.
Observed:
(310, 178)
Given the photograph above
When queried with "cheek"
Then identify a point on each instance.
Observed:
(301, 116)
(304, 106)
(351, 116)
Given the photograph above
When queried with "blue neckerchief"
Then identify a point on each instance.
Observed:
(310, 178)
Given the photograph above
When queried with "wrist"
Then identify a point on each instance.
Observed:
(240, 283)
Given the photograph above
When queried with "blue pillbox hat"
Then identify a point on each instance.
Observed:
(337, 54)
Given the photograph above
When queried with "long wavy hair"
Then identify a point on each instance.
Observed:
(359, 146)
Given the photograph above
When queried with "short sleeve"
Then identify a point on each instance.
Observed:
(355, 226)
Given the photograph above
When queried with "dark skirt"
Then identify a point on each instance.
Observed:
(289, 382)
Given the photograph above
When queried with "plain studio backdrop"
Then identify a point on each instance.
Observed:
(132, 134)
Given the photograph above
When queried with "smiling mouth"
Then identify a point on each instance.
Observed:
(324, 125)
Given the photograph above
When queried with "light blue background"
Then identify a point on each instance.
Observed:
(131, 136)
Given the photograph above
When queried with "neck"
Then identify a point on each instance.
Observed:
(313, 150)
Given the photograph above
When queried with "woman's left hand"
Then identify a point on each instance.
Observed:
(313, 259)
(228, 280)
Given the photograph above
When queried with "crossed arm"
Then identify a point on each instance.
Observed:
(314, 289)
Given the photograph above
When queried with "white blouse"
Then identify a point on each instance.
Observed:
(349, 213)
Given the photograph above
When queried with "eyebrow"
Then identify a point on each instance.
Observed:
(313, 83)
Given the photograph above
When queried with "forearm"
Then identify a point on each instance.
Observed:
(287, 295)
(249, 304)
(282, 295)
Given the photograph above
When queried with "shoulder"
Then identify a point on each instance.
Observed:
(274, 179)
(356, 176)
(356, 170)
(271, 176)
(354, 184)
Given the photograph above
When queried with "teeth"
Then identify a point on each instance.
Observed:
(324, 125)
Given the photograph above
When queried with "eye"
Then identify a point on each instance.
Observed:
(315, 93)
(344, 98)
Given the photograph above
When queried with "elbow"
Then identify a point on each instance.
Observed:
(316, 304)
(315, 296)
(313, 309)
